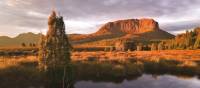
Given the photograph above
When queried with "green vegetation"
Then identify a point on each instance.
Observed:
(170, 67)
(188, 40)
(27, 74)
(54, 56)
(19, 51)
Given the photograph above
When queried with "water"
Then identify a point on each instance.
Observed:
(145, 81)
(92, 74)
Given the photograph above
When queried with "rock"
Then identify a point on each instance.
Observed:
(130, 26)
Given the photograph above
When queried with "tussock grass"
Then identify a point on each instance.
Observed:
(25, 71)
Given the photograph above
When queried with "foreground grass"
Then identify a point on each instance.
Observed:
(23, 75)
(23, 72)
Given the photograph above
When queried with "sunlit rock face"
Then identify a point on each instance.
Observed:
(129, 26)
(54, 49)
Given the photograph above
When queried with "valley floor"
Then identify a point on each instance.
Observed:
(102, 66)
(188, 57)
(180, 55)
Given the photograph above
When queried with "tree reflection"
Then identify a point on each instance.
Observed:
(59, 77)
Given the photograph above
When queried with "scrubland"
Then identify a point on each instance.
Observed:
(23, 72)
(180, 55)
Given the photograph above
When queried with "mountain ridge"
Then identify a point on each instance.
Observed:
(130, 26)
(26, 38)
(135, 29)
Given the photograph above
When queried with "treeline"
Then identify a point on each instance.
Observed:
(19, 51)
(189, 40)
(28, 45)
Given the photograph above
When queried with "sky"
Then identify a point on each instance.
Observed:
(86, 16)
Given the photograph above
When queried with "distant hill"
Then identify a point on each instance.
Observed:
(18, 40)
(108, 34)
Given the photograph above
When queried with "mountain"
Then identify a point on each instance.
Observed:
(111, 32)
(129, 26)
(134, 29)
(18, 40)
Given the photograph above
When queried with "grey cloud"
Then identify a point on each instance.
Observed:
(179, 26)
(94, 10)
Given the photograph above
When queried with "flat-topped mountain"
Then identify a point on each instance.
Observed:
(129, 26)
(134, 29)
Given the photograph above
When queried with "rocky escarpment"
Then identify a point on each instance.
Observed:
(134, 29)
(129, 26)
(129, 29)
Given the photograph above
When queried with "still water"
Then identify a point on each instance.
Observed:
(92, 74)
(145, 81)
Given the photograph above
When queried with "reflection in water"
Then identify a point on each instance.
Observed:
(132, 75)
(94, 74)
(60, 77)
(145, 81)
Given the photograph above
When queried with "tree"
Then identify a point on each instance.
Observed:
(139, 47)
(55, 47)
(54, 53)
(30, 45)
(34, 45)
(106, 49)
(161, 46)
(189, 40)
(153, 46)
(23, 45)
(197, 43)
(112, 48)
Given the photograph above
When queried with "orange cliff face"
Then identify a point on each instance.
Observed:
(130, 26)
(133, 29)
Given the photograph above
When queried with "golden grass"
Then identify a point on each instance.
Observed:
(6, 62)
(13, 48)
(180, 55)
(186, 56)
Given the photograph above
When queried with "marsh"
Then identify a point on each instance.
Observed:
(22, 72)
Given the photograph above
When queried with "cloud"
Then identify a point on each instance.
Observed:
(14, 3)
(180, 27)
(76, 26)
(86, 16)
(36, 14)
(112, 2)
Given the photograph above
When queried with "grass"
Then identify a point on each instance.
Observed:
(6, 62)
(18, 51)
(112, 69)
(170, 67)
(180, 55)
(20, 73)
